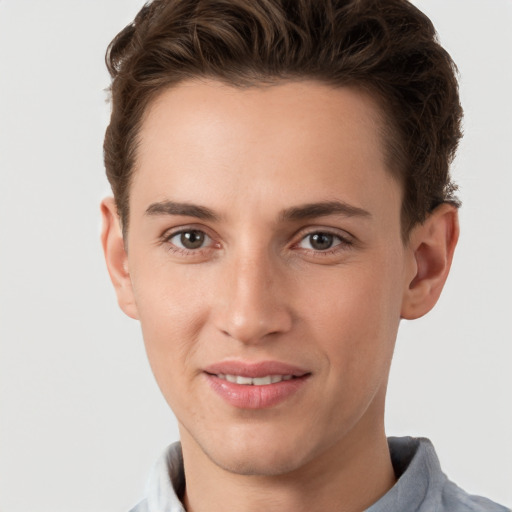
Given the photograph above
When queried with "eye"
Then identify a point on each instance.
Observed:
(320, 241)
(190, 239)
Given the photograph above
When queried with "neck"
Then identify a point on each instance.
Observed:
(348, 477)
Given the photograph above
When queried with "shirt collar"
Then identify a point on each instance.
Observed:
(419, 477)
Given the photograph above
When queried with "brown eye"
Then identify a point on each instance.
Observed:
(190, 239)
(320, 241)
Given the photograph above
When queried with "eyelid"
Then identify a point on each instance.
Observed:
(170, 232)
(343, 235)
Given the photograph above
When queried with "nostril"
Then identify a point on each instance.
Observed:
(252, 323)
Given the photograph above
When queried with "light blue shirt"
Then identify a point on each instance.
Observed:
(421, 485)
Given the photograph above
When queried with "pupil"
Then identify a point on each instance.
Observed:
(192, 239)
(321, 241)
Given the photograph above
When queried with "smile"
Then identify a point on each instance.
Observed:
(256, 385)
(254, 381)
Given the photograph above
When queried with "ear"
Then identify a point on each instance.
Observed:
(116, 257)
(431, 246)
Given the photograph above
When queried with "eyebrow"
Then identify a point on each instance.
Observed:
(322, 209)
(185, 209)
(302, 212)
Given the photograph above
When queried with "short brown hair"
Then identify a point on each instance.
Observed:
(387, 47)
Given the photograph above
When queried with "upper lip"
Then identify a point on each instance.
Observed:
(255, 369)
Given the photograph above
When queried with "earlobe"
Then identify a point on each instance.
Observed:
(431, 247)
(116, 257)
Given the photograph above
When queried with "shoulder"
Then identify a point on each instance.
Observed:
(454, 499)
(421, 484)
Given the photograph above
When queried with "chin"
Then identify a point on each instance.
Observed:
(259, 455)
(257, 464)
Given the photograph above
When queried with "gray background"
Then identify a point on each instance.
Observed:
(81, 418)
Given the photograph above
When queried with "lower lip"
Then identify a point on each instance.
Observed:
(246, 396)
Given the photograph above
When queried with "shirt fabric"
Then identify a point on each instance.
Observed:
(421, 485)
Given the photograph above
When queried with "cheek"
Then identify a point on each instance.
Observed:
(168, 296)
(172, 312)
(355, 316)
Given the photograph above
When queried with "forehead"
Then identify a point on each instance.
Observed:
(278, 115)
(279, 144)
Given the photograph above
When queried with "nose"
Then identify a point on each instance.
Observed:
(252, 300)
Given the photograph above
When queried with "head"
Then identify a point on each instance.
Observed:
(282, 200)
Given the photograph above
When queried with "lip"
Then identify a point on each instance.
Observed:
(255, 397)
(254, 370)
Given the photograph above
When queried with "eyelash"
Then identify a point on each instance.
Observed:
(345, 242)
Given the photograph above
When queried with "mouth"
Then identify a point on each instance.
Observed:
(254, 381)
(255, 385)
(242, 371)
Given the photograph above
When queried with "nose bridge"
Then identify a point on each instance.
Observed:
(253, 296)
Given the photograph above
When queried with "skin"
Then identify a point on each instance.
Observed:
(260, 288)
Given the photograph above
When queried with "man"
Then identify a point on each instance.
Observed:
(282, 199)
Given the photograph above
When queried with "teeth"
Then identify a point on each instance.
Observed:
(243, 380)
(260, 381)
(256, 381)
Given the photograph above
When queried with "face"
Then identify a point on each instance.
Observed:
(267, 268)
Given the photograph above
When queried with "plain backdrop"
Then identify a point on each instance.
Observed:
(82, 420)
